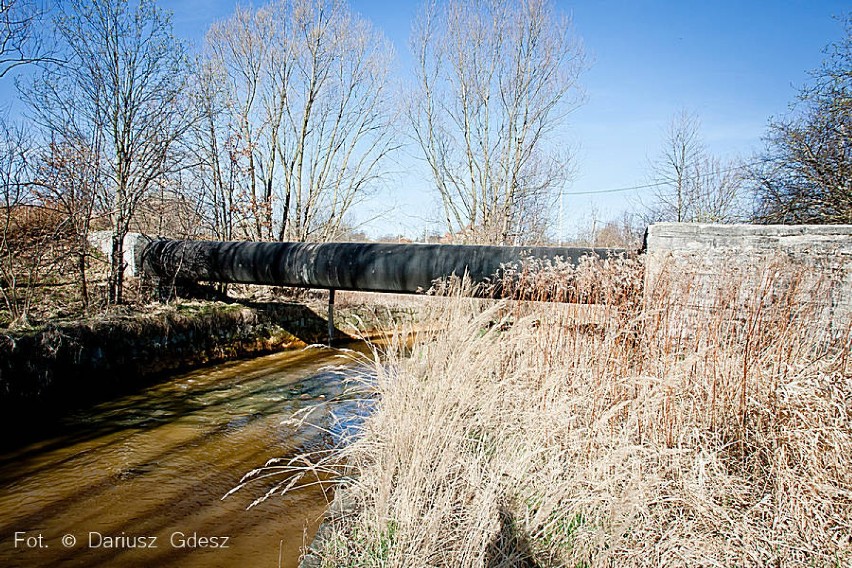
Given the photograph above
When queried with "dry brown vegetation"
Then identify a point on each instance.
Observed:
(41, 252)
(34, 244)
(644, 432)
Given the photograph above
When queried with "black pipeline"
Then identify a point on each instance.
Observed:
(369, 267)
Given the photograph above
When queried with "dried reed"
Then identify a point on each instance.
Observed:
(646, 430)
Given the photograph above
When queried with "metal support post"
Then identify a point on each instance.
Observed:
(331, 317)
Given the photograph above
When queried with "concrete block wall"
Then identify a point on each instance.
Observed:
(816, 259)
(134, 245)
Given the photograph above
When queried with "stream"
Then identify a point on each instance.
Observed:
(139, 480)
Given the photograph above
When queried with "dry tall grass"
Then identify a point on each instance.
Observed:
(641, 433)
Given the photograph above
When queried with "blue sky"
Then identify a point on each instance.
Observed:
(734, 63)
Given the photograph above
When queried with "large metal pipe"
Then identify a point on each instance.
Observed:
(407, 268)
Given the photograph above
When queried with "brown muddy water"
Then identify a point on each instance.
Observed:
(140, 480)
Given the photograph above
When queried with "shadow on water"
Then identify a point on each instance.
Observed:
(158, 461)
(86, 382)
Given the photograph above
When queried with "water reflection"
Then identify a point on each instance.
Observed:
(156, 463)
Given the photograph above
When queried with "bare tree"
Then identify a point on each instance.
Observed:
(19, 42)
(32, 243)
(805, 174)
(14, 177)
(339, 118)
(496, 78)
(309, 117)
(121, 89)
(682, 151)
(717, 191)
(693, 186)
(68, 180)
(234, 76)
(215, 176)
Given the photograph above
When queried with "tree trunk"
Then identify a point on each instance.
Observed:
(116, 276)
(82, 253)
(285, 217)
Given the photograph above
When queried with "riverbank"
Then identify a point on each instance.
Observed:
(60, 363)
(656, 433)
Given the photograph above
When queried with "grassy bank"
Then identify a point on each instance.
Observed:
(83, 359)
(92, 357)
(640, 432)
